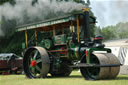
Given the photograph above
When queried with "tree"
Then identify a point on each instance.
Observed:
(108, 32)
(97, 30)
(3, 1)
(118, 31)
(10, 1)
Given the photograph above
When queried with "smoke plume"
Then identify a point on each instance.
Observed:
(24, 12)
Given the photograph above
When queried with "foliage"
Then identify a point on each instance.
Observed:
(4, 1)
(119, 31)
(108, 32)
(12, 44)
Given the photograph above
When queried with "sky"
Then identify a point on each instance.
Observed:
(110, 12)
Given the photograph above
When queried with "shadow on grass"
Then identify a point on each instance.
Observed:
(72, 76)
(80, 77)
(121, 78)
(117, 78)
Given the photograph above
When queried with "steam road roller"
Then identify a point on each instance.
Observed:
(60, 44)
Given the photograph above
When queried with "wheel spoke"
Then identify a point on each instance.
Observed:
(38, 68)
(38, 60)
(36, 53)
(30, 67)
(31, 59)
(33, 70)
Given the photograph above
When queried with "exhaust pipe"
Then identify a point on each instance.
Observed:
(86, 27)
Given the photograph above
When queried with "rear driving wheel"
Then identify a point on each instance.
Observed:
(36, 62)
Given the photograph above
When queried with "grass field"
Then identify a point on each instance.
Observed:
(74, 79)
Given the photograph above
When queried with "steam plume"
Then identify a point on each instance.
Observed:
(24, 12)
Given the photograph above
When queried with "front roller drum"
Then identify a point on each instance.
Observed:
(36, 62)
(95, 73)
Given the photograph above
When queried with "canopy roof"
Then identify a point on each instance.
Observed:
(53, 21)
(45, 23)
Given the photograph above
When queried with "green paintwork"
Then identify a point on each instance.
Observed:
(48, 43)
(73, 51)
(59, 39)
(90, 50)
(23, 45)
(88, 57)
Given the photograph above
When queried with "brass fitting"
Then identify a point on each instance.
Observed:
(85, 9)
